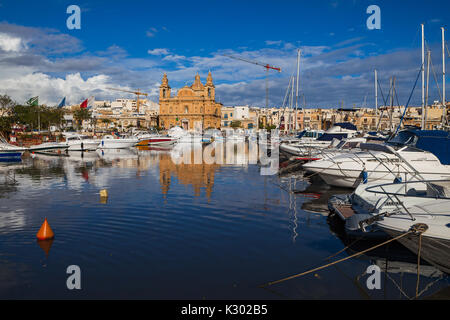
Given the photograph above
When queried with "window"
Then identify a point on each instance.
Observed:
(186, 109)
(164, 93)
(209, 92)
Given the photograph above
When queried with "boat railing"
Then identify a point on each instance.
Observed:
(438, 194)
(394, 197)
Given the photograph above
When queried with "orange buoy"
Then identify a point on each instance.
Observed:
(45, 232)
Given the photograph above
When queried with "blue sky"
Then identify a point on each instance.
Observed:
(129, 44)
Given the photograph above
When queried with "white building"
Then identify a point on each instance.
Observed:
(241, 113)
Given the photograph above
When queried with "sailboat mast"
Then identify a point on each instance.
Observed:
(392, 102)
(444, 106)
(292, 105)
(376, 92)
(423, 76)
(296, 92)
(428, 81)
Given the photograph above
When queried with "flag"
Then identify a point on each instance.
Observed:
(62, 103)
(33, 101)
(84, 104)
(91, 99)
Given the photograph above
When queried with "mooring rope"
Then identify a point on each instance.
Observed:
(418, 264)
(418, 228)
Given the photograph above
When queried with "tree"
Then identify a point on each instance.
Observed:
(5, 125)
(82, 114)
(235, 124)
(6, 119)
(6, 102)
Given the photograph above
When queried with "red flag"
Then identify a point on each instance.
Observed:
(84, 104)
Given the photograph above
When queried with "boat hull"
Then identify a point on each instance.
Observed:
(159, 141)
(433, 250)
(87, 146)
(116, 144)
(352, 178)
(10, 155)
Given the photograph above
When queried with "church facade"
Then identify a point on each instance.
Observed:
(193, 108)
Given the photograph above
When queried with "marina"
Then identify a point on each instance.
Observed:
(205, 228)
(157, 154)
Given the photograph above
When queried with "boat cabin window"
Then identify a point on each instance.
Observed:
(350, 145)
(404, 138)
(331, 136)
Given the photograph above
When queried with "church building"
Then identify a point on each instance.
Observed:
(193, 108)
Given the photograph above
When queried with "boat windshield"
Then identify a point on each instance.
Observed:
(301, 134)
(347, 144)
(331, 136)
(403, 138)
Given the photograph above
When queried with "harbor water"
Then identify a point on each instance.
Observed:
(183, 231)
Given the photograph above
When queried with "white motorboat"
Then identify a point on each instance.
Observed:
(430, 212)
(304, 136)
(79, 142)
(383, 163)
(112, 142)
(398, 208)
(159, 140)
(10, 151)
(337, 147)
(331, 137)
(154, 139)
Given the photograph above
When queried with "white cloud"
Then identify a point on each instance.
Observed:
(9, 43)
(327, 73)
(158, 52)
(51, 89)
(174, 57)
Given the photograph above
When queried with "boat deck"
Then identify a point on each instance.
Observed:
(344, 210)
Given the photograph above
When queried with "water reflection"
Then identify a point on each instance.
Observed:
(172, 230)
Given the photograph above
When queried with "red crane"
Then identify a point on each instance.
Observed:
(265, 65)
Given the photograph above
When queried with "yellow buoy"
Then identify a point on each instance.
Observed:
(104, 193)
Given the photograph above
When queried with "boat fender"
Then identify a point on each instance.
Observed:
(364, 176)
